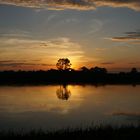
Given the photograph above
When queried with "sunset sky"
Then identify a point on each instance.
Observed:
(34, 34)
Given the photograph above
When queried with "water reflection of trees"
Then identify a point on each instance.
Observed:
(63, 92)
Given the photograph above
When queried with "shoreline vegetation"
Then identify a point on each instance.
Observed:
(93, 132)
(96, 75)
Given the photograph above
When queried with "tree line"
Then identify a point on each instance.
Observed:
(65, 75)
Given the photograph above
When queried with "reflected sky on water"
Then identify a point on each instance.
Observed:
(59, 106)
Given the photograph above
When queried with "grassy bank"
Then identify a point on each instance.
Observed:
(95, 133)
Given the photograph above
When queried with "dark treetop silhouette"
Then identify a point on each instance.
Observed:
(63, 64)
(66, 75)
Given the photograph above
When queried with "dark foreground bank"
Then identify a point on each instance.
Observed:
(95, 133)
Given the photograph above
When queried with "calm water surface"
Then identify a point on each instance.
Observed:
(55, 107)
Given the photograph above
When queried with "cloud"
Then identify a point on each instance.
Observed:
(28, 43)
(15, 33)
(107, 63)
(124, 39)
(62, 43)
(62, 46)
(74, 4)
(100, 49)
(132, 4)
(5, 61)
(129, 36)
(134, 63)
(23, 63)
(52, 4)
(22, 52)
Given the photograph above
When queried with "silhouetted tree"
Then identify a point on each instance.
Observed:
(63, 93)
(84, 69)
(63, 64)
(134, 71)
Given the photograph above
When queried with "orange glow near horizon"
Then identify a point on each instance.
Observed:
(75, 65)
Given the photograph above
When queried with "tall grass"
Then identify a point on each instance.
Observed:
(94, 132)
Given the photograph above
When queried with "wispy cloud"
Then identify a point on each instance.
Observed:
(56, 43)
(108, 63)
(134, 63)
(21, 52)
(16, 64)
(74, 4)
(100, 49)
(52, 4)
(62, 42)
(129, 36)
(22, 63)
(15, 33)
(132, 4)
